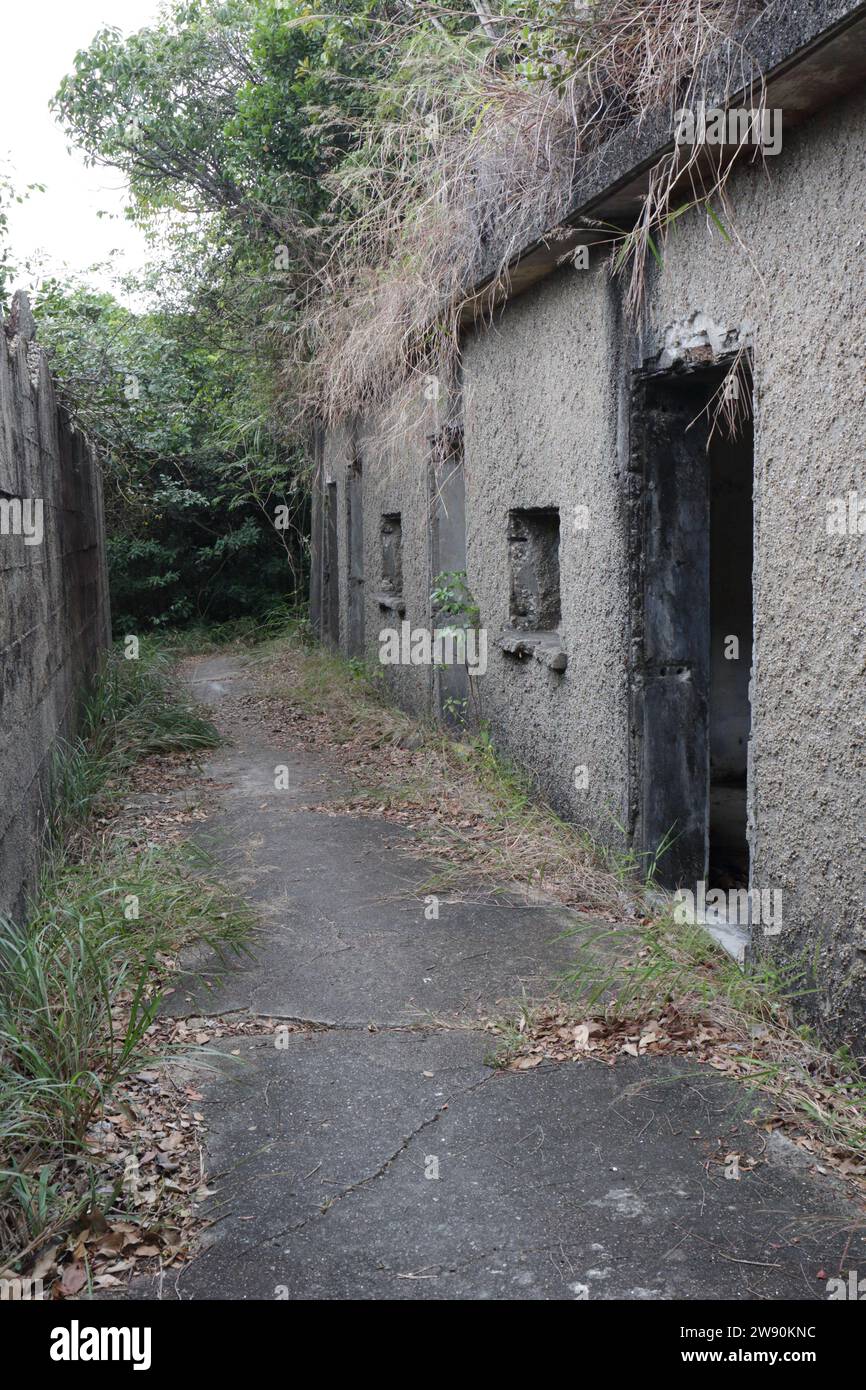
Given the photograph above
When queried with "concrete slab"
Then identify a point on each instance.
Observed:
(397, 1166)
(345, 938)
(381, 1157)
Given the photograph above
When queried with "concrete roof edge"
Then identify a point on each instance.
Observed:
(808, 52)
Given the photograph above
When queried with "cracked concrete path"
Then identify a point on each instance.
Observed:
(377, 1155)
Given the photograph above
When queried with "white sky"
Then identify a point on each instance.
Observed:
(40, 40)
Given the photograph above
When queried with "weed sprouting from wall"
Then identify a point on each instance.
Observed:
(731, 405)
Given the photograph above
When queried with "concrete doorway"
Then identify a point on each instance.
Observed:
(448, 557)
(331, 570)
(691, 535)
(355, 557)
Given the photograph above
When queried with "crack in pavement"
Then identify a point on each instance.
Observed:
(323, 1025)
(383, 1167)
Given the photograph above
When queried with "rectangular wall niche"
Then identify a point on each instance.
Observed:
(392, 553)
(391, 585)
(533, 557)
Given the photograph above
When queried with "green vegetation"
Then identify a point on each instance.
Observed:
(221, 116)
(81, 979)
(206, 510)
(638, 969)
(132, 710)
(452, 597)
(321, 186)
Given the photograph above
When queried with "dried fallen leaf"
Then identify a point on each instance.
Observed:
(74, 1278)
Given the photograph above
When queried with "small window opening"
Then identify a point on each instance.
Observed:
(533, 553)
(392, 554)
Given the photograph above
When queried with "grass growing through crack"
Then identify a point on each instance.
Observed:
(80, 978)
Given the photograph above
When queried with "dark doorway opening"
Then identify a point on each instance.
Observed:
(448, 558)
(692, 522)
(731, 527)
(331, 568)
(355, 552)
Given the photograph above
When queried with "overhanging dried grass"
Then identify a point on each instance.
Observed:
(472, 154)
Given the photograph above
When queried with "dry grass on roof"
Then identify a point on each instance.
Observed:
(470, 156)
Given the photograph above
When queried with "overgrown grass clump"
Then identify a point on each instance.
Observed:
(251, 630)
(133, 709)
(636, 969)
(80, 979)
(471, 154)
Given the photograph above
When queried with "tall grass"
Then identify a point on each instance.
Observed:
(247, 631)
(59, 1046)
(132, 709)
(79, 985)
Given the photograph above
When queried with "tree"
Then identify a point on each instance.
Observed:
(8, 265)
(191, 500)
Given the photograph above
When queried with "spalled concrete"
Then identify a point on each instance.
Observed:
(374, 1160)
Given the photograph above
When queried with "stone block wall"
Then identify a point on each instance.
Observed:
(54, 606)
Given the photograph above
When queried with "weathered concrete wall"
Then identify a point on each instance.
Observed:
(541, 431)
(395, 481)
(800, 278)
(54, 614)
(547, 423)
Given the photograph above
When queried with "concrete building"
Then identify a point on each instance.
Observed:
(675, 622)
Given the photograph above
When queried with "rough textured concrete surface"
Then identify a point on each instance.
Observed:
(54, 614)
(801, 288)
(378, 1155)
(546, 418)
